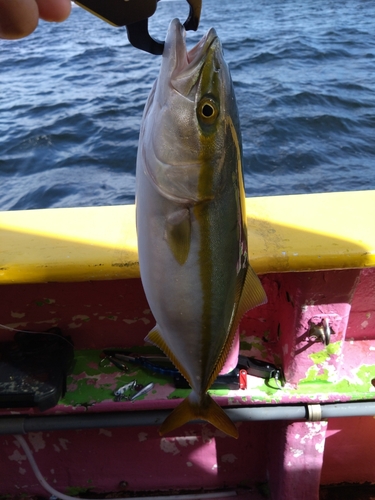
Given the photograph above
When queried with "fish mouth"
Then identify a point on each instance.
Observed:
(202, 47)
(185, 65)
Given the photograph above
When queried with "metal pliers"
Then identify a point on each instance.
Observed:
(134, 14)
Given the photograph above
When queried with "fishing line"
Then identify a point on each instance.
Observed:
(10, 328)
(62, 496)
(16, 329)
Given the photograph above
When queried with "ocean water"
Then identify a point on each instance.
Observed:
(72, 97)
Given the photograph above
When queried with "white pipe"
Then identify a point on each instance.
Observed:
(62, 496)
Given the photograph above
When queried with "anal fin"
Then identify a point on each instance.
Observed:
(155, 337)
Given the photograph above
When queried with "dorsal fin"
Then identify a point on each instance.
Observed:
(251, 295)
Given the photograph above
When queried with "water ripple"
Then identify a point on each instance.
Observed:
(72, 97)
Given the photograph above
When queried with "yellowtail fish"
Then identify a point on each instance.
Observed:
(191, 220)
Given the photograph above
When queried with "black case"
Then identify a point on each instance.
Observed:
(34, 368)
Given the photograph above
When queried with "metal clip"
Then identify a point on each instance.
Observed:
(321, 331)
(314, 413)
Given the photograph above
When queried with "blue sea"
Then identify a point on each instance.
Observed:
(72, 97)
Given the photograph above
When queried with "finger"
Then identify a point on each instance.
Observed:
(54, 10)
(18, 18)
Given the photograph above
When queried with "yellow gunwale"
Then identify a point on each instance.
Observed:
(286, 233)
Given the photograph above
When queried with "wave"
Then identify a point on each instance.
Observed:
(72, 98)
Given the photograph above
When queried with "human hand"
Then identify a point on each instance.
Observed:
(19, 18)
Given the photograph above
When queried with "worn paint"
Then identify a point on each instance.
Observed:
(37, 441)
(229, 457)
(168, 445)
(63, 443)
(91, 383)
(17, 456)
(297, 460)
(17, 315)
(343, 371)
(142, 436)
(105, 432)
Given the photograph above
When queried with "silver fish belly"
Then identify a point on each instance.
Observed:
(191, 221)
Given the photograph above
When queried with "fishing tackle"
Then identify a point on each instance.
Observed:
(120, 392)
(134, 15)
(160, 364)
(143, 390)
(118, 363)
(234, 380)
(262, 369)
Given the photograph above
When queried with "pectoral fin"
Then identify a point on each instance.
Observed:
(178, 234)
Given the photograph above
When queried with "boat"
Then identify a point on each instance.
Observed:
(305, 419)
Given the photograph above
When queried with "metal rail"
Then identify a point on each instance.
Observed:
(314, 412)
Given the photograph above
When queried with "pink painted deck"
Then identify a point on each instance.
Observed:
(289, 460)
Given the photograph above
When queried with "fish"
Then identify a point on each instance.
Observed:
(191, 220)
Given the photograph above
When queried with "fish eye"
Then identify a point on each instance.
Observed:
(207, 110)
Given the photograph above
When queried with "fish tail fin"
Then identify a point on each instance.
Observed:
(207, 410)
